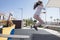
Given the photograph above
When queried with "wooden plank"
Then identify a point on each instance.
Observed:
(14, 36)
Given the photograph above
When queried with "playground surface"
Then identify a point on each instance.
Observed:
(41, 34)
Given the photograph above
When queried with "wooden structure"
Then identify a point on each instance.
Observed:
(18, 24)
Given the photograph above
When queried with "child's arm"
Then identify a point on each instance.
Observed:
(44, 8)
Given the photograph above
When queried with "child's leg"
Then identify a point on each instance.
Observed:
(39, 19)
(37, 24)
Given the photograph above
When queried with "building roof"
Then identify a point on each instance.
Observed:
(53, 3)
(2, 13)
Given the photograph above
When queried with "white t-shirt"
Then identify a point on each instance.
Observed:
(38, 10)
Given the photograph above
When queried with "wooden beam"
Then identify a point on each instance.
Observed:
(14, 36)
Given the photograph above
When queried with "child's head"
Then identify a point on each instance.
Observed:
(37, 3)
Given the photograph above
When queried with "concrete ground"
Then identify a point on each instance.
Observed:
(41, 34)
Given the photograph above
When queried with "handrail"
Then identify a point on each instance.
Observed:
(52, 26)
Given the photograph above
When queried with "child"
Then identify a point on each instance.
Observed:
(38, 6)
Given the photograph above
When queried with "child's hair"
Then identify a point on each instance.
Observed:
(37, 3)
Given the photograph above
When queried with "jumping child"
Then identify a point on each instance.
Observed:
(38, 6)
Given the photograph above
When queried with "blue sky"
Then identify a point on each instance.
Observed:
(27, 5)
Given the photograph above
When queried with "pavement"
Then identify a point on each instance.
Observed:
(41, 34)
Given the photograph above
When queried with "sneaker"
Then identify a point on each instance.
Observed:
(35, 28)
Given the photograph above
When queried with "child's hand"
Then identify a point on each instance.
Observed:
(44, 8)
(44, 12)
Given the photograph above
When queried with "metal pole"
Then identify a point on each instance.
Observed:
(21, 13)
(45, 16)
(59, 13)
(0, 17)
(21, 16)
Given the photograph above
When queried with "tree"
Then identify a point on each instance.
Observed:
(35, 21)
(57, 20)
(28, 22)
(51, 18)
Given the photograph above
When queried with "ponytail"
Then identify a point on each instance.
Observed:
(37, 3)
